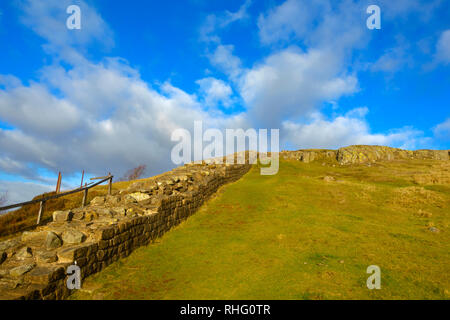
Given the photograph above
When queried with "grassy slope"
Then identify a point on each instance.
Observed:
(295, 236)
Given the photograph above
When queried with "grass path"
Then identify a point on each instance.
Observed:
(295, 236)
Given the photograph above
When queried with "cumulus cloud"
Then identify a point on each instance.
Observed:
(443, 48)
(320, 24)
(103, 117)
(224, 59)
(215, 91)
(48, 20)
(442, 130)
(348, 129)
(118, 122)
(292, 83)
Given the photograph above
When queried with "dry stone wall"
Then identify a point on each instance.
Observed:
(33, 265)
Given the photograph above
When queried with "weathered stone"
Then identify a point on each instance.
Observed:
(52, 241)
(46, 257)
(36, 237)
(73, 236)
(24, 253)
(61, 216)
(328, 179)
(78, 215)
(45, 274)
(434, 229)
(73, 253)
(98, 201)
(139, 196)
(91, 215)
(112, 200)
(8, 244)
(21, 270)
(120, 211)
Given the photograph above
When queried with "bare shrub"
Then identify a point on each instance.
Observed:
(134, 173)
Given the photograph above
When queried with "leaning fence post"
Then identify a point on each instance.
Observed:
(110, 184)
(83, 204)
(41, 210)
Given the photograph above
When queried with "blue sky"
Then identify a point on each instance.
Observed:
(107, 97)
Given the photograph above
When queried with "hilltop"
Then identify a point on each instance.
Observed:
(325, 217)
(309, 232)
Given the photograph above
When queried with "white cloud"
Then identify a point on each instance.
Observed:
(443, 48)
(442, 130)
(214, 23)
(318, 24)
(22, 191)
(215, 91)
(347, 130)
(292, 83)
(48, 20)
(393, 60)
(223, 58)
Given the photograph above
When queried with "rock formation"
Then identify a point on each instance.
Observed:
(364, 154)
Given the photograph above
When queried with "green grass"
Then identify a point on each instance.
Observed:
(295, 236)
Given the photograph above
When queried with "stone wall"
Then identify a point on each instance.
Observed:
(33, 265)
(364, 154)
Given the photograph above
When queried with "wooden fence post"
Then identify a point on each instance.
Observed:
(110, 184)
(58, 183)
(83, 204)
(41, 210)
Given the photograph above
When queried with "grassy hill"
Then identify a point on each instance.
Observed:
(309, 232)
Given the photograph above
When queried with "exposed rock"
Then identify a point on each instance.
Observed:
(61, 216)
(78, 214)
(73, 236)
(34, 237)
(328, 179)
(139, 196)
(52, 241)
(364, 154)
(98, 201)
(112, 200)
(24, 253)
(91, 215)
(8, 244)
(434, 229)
(21, 270)
(46, 257)
(120, 211)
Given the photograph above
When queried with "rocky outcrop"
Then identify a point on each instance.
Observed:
(33, 265)
(364, 154)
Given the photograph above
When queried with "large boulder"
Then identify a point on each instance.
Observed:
(62, 216)
(73, 236)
